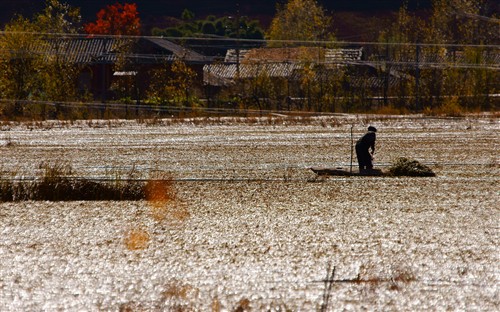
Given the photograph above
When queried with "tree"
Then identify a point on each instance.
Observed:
(399, 50)
(442, 59)
(463, 22)
(208, 28)
(300, 20)
(33, 67)
(58, 17)
(116, 19)
(181, 83)
(241, 28)
(462, 27)
(187, 15)
(58, 76)
(262, 88)
(18, 64)
(172, 83)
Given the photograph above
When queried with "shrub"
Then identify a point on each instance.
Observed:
(56, 184)
(6, 190)
(412, 168)
(451, 107)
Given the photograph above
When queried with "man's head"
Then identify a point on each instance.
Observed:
(372, 129)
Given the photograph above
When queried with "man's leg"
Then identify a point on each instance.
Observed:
(360, 156)
(369, 162)
(366, 161)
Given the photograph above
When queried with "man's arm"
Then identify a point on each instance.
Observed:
(372, 145)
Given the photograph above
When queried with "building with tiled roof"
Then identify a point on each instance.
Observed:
(283, 63)
(98, 50)
(97, 56)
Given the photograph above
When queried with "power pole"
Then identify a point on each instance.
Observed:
(417, 76)
(238, 40)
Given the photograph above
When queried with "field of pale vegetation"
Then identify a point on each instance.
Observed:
(233, 219)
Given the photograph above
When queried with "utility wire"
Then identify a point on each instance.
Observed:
(320, 43)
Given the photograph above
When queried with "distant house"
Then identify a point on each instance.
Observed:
(344, 74)
(285, 63)
(98, 57)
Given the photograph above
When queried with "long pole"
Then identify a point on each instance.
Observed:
(417, 77)
(352, 151)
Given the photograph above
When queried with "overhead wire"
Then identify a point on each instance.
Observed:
(380, 62)
(494, 64)
(257, 41)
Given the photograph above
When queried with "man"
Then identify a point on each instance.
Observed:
(363, 145)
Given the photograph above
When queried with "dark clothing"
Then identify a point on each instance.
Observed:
(364, 159)
(363, 145)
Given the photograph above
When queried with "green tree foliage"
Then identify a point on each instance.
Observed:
(299, 20)
(181, 82)
(263, 91)
(440, 59)
(399, 53)
(208, 28)
(301, 23)
(125, 87)
(187, 15)
(19, 64)
(461, 27)
(59, 77)
(172, 84)
(463, 22)
(33, 66)
(58, 17)
(242, 27)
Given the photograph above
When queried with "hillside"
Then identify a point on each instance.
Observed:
(355, 20)
(151, 9)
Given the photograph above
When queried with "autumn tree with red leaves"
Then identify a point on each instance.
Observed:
(116, 19)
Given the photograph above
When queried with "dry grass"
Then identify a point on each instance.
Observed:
(178, 290)
(162, 199)
(56, 183)
(394, 281)
(410, 168)
(449, 108)
(8, 142)
(216, 306)
(137, 239)
(159, 191)
(391, 110)
(385, 113)
(401, 277)
(275, 225)
(179, 297)
(243, 305)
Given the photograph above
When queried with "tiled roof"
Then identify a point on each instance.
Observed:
(294, 55)
(81, 50)
(232, 55)
(224, 74)
(275, 62)
(107, 50)
(179, 51)
(343, 55)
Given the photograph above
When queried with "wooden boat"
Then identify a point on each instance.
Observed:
(342, 172)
